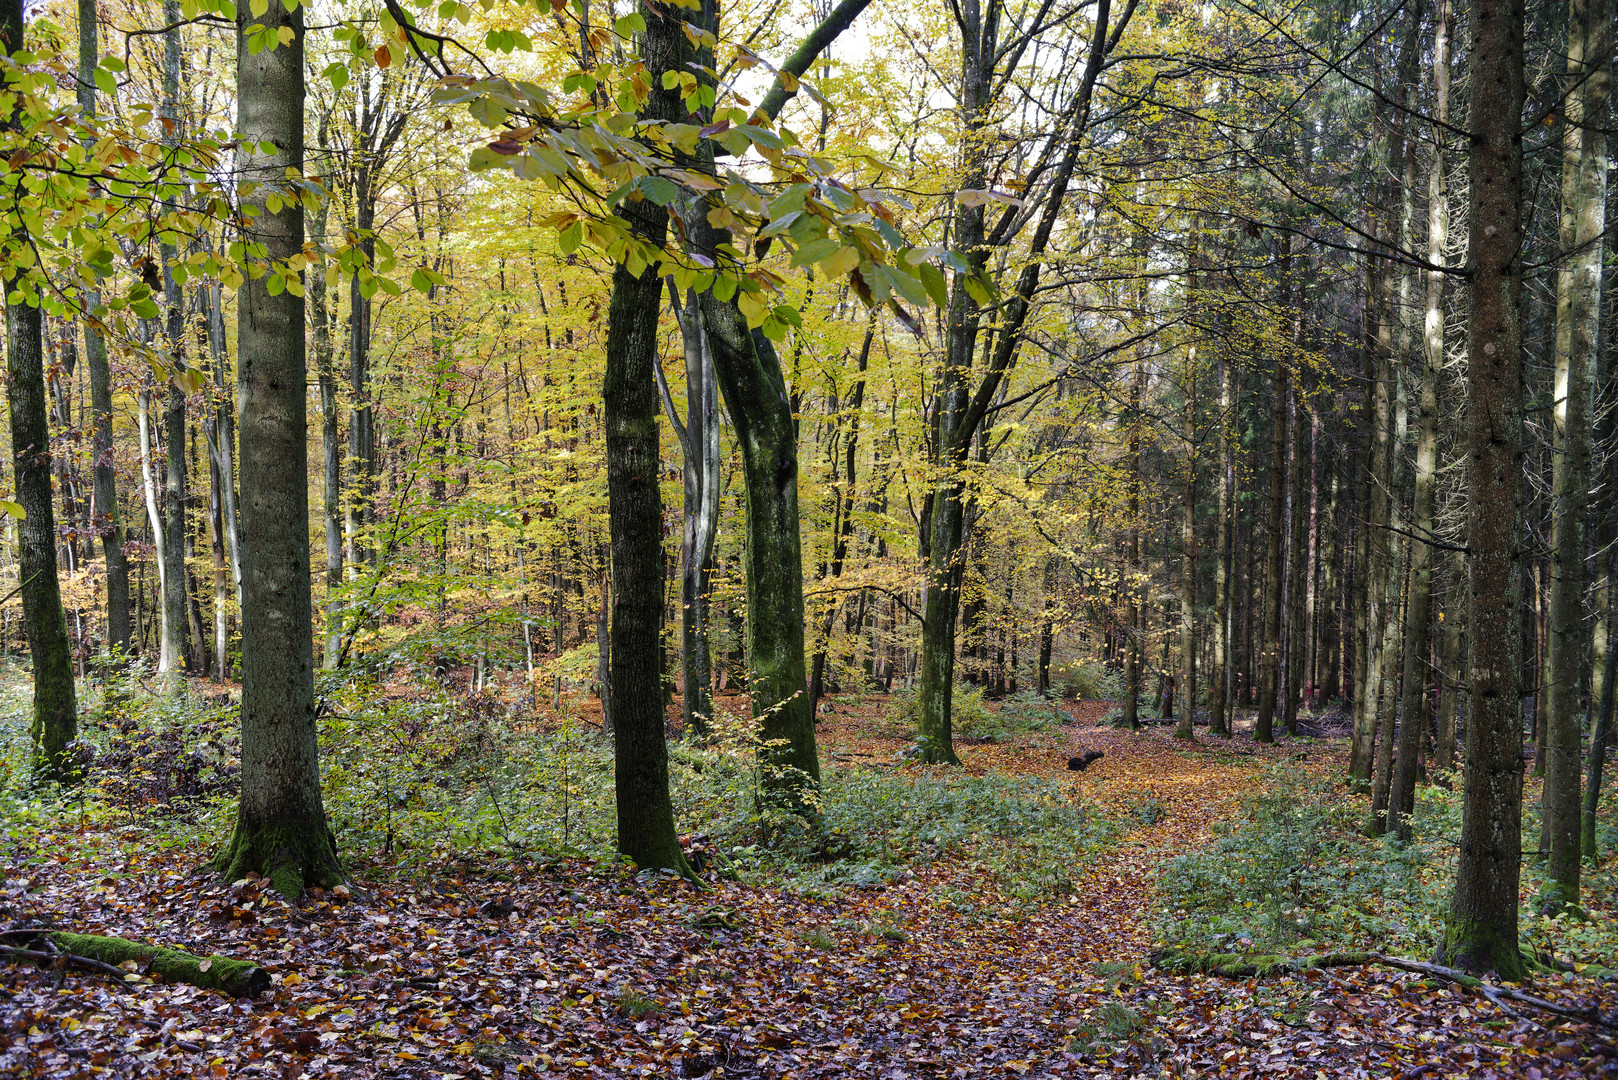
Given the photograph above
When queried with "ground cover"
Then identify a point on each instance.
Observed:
(966, 950)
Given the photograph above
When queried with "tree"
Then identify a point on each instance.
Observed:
(281, 829)
(1481, 931)
(1578, 334)
(55, 718)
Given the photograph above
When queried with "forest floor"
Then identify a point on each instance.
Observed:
(571, 969)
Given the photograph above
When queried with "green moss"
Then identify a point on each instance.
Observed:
(292, 856)
(1473, 946)
(239, 978)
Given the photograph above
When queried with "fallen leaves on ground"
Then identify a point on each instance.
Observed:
(516, 968)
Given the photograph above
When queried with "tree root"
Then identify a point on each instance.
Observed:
(1238, 966)
(108, 955)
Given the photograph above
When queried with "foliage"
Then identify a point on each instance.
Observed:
(1294, 870)
(1090, 681)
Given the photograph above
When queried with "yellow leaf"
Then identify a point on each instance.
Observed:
(840, 261)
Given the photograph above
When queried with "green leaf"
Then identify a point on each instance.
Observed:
(337, 73)
(789, 201)
(420, 281)
(788, 314)
(258, 8)
(13, 508)
(658, 189)
(105, 82)
(933, 281)
(724, 288)
(630, 24)
(571, 238)
(815, 250)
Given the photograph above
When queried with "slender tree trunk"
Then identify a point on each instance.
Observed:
(1601, 735)
(104, 515)
(1481, 932)
(1578, 334)
(1418, 603)
(175, 599)
(281, 829)
(1188, 558)
(1271, 660)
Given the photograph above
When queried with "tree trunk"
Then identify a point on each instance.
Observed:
(1578, 335)
(175, 601)
(1188, 558)
(629, 391)
(281, 829)
(104, 516)
(1271, 660)
(1418, 605)
(1481, 932)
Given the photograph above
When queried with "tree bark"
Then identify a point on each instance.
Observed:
(54, 725)
(281, 829)
(1481, 932)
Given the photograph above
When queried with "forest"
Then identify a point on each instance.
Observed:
(808, 539)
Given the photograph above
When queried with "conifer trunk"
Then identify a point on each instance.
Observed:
(1481, 932)
(1578, 334)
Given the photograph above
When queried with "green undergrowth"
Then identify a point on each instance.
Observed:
(1293, 874)
(974, 720)
(419, 774)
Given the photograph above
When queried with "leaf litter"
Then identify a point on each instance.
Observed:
(565, 968)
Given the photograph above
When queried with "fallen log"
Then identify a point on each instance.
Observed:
(238, 978)
(1248, 966)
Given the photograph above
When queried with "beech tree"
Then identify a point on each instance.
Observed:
(281, 829)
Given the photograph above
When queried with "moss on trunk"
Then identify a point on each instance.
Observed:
(293, 855)
(239, 978)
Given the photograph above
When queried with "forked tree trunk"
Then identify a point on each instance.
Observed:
(1481, 932)
(281, 829)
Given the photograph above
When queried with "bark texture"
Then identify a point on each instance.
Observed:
(1481, 933)
(281, 829)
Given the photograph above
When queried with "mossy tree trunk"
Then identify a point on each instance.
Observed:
(1481, 933)
(55, 722)
(634, 698)
(755, 392)
(281, 829)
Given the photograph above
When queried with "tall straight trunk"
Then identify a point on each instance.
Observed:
(55, 721)
(1132, 584)
(1481, 931)
(320, 320)
(1270, 677)
(629, 392)
(104, 518)
(699, 440)
(750, 377)
(175, 596)
(843, 512)
(1418, 602)
(1188, 558)
(1296, 613)
(281, 831)
(1601, 706)
(1578, 335)
(1218, 686)
(1311, 568)
(168, 657)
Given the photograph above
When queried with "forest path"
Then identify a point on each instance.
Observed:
(589, 971)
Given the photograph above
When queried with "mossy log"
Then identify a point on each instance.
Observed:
(1251, 966)
(239, 978)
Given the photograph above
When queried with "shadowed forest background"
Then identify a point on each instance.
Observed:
(633, 538)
